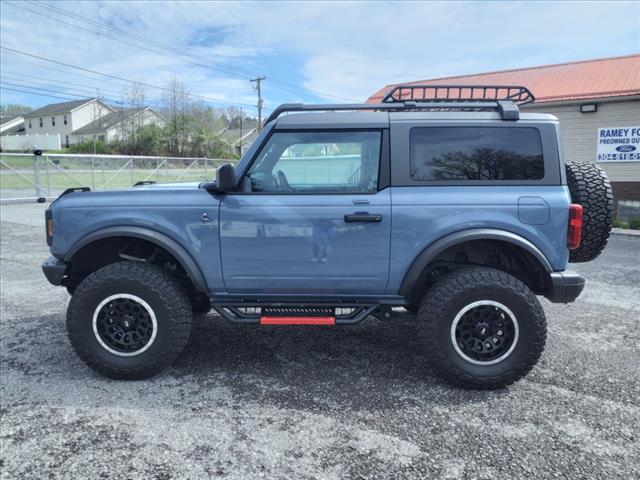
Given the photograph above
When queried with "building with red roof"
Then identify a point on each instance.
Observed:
(590, 98)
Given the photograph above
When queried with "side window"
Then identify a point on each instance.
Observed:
(318, 162)
(476, 153)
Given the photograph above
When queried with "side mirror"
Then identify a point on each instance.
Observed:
(226, 178)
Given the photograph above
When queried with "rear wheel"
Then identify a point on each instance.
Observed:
(129, 320)
(482, 328)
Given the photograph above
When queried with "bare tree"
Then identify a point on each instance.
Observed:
(176, 102)
(134, 98)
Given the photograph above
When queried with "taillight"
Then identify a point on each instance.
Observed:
(574, 231)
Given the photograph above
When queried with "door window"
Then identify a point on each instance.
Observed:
(318, 162)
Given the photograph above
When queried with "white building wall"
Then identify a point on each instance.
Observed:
(29, 142)
(579, 132)
(75, 119)
(87, 114)
(148, 118)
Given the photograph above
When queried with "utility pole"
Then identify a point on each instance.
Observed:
(257, 81)
(240, 140)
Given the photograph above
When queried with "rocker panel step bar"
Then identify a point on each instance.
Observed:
(315, 314)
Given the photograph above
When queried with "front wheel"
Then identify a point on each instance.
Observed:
(482, 328)
(129, 320)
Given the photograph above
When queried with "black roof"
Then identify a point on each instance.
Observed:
(59, 107)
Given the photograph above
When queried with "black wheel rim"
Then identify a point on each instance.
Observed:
(124, 325)
(485, 332)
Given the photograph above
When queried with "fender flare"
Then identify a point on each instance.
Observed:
(436, 248)
(170, 245)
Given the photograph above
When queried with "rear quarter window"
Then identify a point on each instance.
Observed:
(475, 153)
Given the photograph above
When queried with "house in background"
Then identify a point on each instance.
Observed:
(236, 140)
(117, 125)
(590, 98)
(63, 118)
(243, 143)
(11, 124)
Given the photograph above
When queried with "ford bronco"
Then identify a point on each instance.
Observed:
(445, 200)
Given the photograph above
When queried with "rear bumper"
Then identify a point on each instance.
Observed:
(565, 287)
(55, 270)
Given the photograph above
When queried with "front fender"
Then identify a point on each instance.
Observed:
(170, 245)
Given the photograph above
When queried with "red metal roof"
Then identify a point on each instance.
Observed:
(605, 77)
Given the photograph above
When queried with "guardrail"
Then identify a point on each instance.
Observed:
(27, 177)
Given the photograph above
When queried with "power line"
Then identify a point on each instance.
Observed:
(76, 87)
(66, 72)
(53, 90)
(34, 93)
(221, 66)
(210, 99)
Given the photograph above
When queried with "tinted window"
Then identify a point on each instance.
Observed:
(309, 162)
(476, 153)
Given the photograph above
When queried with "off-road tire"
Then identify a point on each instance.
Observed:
(590, 187)
(200, 304)
(151, 283)
(450, 295)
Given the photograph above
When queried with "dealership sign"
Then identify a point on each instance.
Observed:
(618, 144)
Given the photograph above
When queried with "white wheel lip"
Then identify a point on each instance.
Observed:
(480, 303)
(152, 315)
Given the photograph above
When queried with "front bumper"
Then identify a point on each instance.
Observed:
(565, 286)
(55, 270)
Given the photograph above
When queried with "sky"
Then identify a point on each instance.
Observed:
(312, 52)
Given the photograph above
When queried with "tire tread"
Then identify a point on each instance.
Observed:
(445, 291)
(164, 286)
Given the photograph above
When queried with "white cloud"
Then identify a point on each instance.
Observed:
(348, 49)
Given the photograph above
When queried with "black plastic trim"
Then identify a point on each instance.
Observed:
(55, 270)
(565, 286)
(439, 246)
(74, 189)
(160, 239)
(248, 299)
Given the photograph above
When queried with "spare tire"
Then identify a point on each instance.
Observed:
(590, 187)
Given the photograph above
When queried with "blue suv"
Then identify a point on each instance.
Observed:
(445, 200)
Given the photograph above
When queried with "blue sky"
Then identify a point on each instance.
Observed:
(309, 51)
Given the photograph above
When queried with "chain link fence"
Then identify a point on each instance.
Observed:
(26, 177)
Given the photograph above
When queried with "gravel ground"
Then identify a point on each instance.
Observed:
(286, 402)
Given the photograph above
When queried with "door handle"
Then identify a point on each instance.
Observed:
(363, 217)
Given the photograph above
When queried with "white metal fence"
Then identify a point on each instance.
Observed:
(27, 177)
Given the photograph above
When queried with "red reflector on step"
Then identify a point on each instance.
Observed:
(297, 320)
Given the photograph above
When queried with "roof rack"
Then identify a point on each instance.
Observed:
(459, 93)
(502, 98)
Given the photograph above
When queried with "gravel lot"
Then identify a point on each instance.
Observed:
(286, 402)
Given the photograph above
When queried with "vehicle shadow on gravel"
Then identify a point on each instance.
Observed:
(374, 365)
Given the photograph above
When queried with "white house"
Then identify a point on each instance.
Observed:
(11, 124)
(63, 118)
(117, 125)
